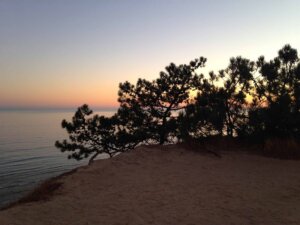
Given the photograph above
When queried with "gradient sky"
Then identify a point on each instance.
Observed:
(66, 53)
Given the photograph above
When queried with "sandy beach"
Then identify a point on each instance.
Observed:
(170, 185)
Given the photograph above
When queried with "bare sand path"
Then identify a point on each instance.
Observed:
(171, 186)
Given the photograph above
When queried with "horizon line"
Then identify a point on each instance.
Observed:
(41, 108)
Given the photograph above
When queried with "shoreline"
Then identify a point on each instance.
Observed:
(42, 191)
(45, 190)
(166, 185)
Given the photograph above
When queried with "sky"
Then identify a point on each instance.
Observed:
(64, 53)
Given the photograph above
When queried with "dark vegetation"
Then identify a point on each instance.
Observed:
(248, 102)
(44, 192)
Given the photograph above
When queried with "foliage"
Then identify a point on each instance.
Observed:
(251, 100)
(95, 135)
(153, 102)
(221, 107)
(278, 92)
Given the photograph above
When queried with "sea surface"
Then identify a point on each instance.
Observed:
(27, 152)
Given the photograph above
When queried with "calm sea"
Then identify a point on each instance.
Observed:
(27, 152)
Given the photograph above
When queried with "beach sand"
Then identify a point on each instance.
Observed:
(170, 185)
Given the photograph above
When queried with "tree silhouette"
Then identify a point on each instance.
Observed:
(220, 106)
(278, 93)
(95, 135)
(153, 102)
(246, 99)
(205, 116)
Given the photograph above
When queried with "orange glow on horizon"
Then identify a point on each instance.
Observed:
(63, 97)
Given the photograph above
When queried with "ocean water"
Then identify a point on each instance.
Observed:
(27, 152)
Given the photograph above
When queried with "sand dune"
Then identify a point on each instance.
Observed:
(151, 185)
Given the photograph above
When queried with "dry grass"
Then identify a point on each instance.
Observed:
(42, 193)
(282, 148)
(216, 143)
(287, 148)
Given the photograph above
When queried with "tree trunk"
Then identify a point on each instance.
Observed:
(162, 135)
(93, 157)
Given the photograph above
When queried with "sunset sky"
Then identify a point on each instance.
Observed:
(65, 53)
